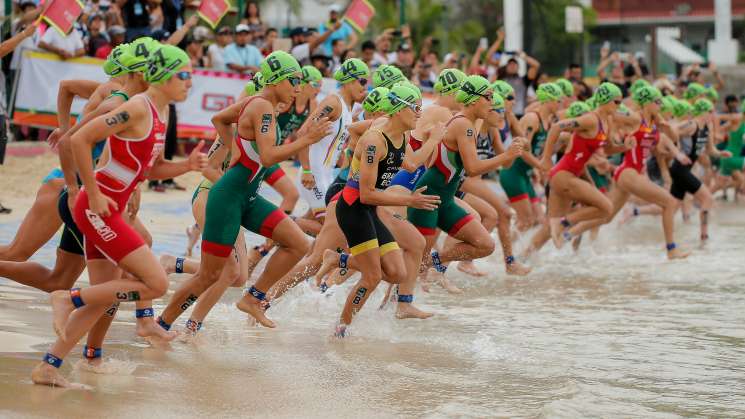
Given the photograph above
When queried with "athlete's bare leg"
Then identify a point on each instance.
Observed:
(67, 268)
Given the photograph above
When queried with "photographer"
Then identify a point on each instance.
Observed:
(510, 74)
(343, 31)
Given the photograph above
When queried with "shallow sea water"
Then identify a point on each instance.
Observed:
(612, 331)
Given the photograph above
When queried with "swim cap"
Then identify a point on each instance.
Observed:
(592, 102)
(449, 81)
(134, 58)
(694, 90)
(311, 74)
(548, 92)
(606, 93)
(472, 89)
(577, 108)
(112, 67)
(668, 102)
(502, 88)
(400, 97)
(497, 102)
(411, 86)
(637, 84)
(646, 94)
(711, 94)
(164, 62)
(702, 106)
(277, 67)
(252, 87)
(258, 80)
(387, 75)
(566, 87)
(377, 100)
(681, 108)
(352, 69)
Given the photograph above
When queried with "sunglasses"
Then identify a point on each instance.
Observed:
(510, 97)
(295, 81)
(658, 102)
(315, 84)
(488, 97)
(617, 101)
(499, 110)
(413, 106)
(183, 75)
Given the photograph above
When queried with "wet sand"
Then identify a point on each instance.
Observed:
(613, 331)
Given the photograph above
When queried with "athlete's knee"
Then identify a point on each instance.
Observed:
(395, 273)
(606, 208)
(484, 247)
(371, 276)
(158, 285)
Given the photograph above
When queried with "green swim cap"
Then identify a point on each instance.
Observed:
(258, 80)
(400, 97)
(567, 88)
(311, 74)
(646, 94)
(637, 84)
(606, 93)
(351, 70)
(592, 103)
(277, 67)
(577, 109)
(112, 67)
(134, 58)
(411, 86)
(472, 89)
(497, 102)
(377, 100)
(667, 104)
(694, 90)
(253, 86)
(502, 88)
(712, 94)
(681, 108)
(548, 92)
(702, 106)
(387, 75)
(164, 62)
(449, 81)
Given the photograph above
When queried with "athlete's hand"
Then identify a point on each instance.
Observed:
(725, 154)
(516, 148)
(54, 137)
(133, 205)
(436, 132)
(683, 159)
(101, 204)
(315, 130)
(198, 159)
(72, 195)
(419, 200)
(629, 142)
(281, 107)
(307, 180)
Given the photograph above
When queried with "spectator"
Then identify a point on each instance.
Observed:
(96, 37)
(405, 59)
(382, 47)
(155, 12)
(270, 36)
(195, 49)
(136, 18)
(114, 15)
(216, 51)
(424, 76)
(337, 49)
(510, 74)
(252, 19)
(343, 32)
(241, 56)
(28, 13)
(368, 53)
(731, 104)
(574, 73)
(321, 62)
(116, 36)
(93, 7)
(69, 46)
(305, 41)
(617, 75)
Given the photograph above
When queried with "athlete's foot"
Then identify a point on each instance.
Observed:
(253, 307)
(61, 308)
(518, 269)
(408, 311)
(341, 331)
(677, 253)
(168, 263)
(147, 328)
(626, 215)
(704, 241)
(47, 375)
(557, 232)
(192, 234)
(330, 261)
(440, 279)
(469, 268)
(576, 242)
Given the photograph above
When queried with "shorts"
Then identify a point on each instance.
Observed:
(516, 184)
(362, 228)
(55, 173)
(449, 217)
(72, 239)
(683, 181)
(273, 174)
(228, 210)
(408, 179)
(334, 190)
(731, 164)
(105, 237)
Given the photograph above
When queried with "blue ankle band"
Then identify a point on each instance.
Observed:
(671, 246)
(565, 222)
(343, 263)
(341, 331)
(163, 324)
(323, 287)
(509, 260)
(405, 298)
(52, 360)
(180, 265)
(75, 297)
(144, 312)
(91, 353)
(437, 262)
(636, 211)
(261, 296)
(567, 236)
(193, 325)
(262, 252)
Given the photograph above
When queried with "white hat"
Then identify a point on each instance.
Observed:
(335, 8)
(242, 28)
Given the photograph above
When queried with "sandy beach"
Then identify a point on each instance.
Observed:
(612, 331)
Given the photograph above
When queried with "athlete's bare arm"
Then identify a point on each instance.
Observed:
(585, 125)
(465, 137)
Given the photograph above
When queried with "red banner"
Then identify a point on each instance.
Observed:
(62, 14)
(212, 11)
(359, 14)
